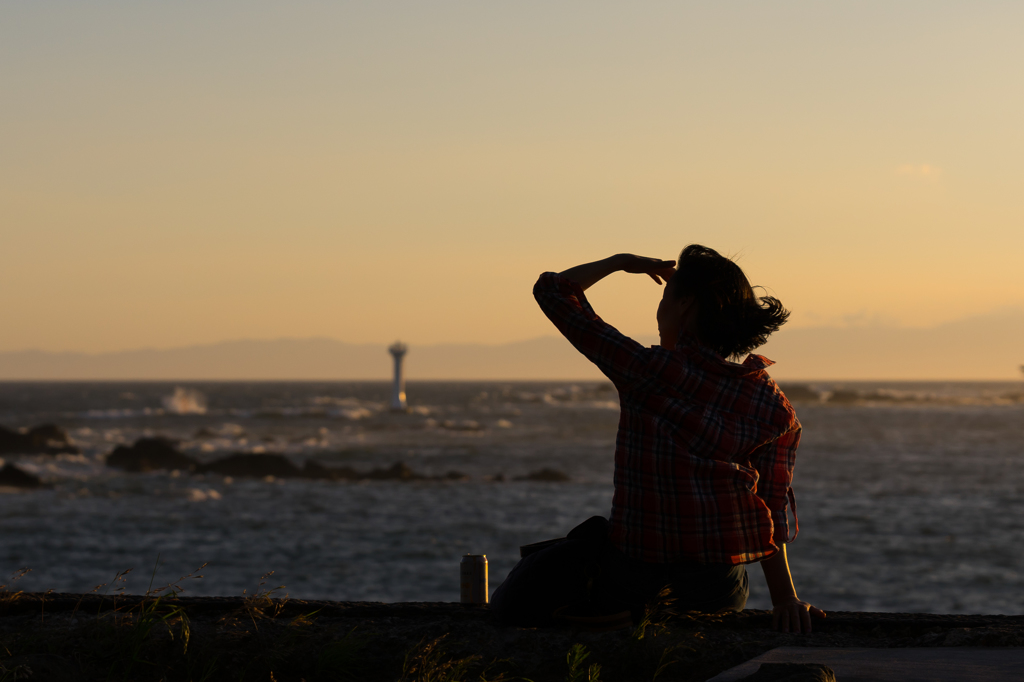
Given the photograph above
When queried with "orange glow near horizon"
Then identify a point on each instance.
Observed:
(190, 174)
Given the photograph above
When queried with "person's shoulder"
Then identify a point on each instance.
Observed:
(767, 394)
(782, 411)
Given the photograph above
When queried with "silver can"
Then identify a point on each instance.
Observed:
(473, 579)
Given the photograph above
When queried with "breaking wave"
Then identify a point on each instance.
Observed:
(185, 401)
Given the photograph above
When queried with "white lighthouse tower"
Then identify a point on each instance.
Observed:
(397, 351)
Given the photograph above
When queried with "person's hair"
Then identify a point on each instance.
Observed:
(731, 320)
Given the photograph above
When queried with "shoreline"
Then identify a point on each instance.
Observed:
(75, 636)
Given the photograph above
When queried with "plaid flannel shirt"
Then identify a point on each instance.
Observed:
(705, 449)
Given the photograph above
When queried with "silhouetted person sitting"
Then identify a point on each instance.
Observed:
(704, 454)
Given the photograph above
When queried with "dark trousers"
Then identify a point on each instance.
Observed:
(587, 574)
(695, 587)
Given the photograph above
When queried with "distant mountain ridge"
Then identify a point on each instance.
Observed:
(988, 347)
(312, 359)
(985, 347)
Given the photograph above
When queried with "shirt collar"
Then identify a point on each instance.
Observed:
(752, 363)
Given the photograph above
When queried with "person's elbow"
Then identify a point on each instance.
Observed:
(545, 289)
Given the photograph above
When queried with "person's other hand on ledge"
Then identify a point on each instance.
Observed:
(794, 615)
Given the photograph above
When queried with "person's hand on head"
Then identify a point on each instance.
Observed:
(656, 268)
(793, 615)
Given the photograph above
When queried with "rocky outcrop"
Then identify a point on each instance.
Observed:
(252, 465)
(13, 477)
(45, 439)
(545, 475)
(150, 454)
(399, 471)
(314, 469)
(153, 454)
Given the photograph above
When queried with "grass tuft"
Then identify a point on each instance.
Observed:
(6, 595)
(18, 672)
(261, 604)
(656, 615)
(136, 624)
(428, 662)
(579, 671)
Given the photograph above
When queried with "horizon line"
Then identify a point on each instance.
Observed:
(205, 344)
(867, 325)
(472, 381)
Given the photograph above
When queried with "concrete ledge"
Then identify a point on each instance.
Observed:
(963, 664)
(73, 637)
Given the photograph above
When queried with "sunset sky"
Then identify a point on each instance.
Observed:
(184, 173)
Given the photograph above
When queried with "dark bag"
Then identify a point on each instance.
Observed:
(556, 575)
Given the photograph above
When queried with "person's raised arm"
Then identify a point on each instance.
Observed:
(589, 274)
(561, 297)
(789, 614)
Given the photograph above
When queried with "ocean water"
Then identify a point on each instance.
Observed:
(910, 496)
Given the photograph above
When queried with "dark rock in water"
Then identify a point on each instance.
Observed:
(47, 435)
(792, 672)
(396, 472)
(11, 441)
(45, 439)
(252, 465)
(13, 477)
(545, 475)
(399, 471)
(53, 439)
(313, 469)
(150, 454)
(204, 433)
(345, 474)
